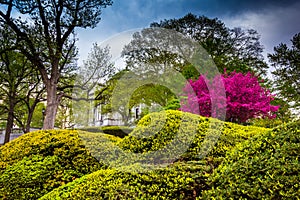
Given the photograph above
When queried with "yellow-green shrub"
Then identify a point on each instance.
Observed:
(157, 130)
(265, 167)
(53, 158)
(34, 176)
(179, 181)
(268, 123)
(64, 143)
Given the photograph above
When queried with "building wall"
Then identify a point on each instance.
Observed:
(114, 119)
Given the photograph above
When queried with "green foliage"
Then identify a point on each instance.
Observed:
(114, 89)
(61, 164)
(265, 167)
(173, 104)
(177, 181)
(267, 123)
(64, 143)
(119, 131)
(18, 80)
(89, 77)
(37, 119)
(42, 160)
(104, 94)
(181, 180)
(157, 130)
(34, 176)
(190, 72)
(114, 96)
(285, 60)
(231, 48)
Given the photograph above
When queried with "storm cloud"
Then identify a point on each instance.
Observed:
(276, 21)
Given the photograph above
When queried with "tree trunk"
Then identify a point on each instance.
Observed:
(29, 118)
(52, 106)
(10, 121)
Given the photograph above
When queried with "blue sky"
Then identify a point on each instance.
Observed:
(276, 21)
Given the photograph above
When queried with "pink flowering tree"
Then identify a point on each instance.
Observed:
(245, 98)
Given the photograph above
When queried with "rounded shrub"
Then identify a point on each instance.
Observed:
(34, 176)
(265, 167)
(64, 143)
(157, 130)
(39, 161)
(179, 181)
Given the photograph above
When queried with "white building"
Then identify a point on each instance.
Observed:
(114, 118)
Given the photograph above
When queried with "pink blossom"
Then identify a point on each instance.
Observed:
(245, 98)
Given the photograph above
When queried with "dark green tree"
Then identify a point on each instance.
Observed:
(104, 95)
(48, 39)
(286, 62)
(231, 48)
(21, 85)
(38, 116)
(32, 96)
(148, 94)
(15, 70)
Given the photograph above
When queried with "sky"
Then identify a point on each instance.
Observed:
(276, 21)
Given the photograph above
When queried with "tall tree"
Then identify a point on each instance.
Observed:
(19, 81)
(97, 69)
(147, 94)
(286, 62)
(15, 70)
(48, 38)
(33, 94)
(231, 48)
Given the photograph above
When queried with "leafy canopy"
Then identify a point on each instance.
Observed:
(231, 48)
(286, 62)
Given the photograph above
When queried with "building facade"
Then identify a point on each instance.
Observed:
(114, 118)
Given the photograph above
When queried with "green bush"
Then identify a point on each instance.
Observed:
(267, 123)
(38, 162)
(64, 143)
(119, 131)
(51, 158)
(179, 181)
(265, 167)
(157, 130)
(34, 176)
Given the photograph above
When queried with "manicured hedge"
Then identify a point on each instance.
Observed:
(265, 167)
(61, 164)
(268, 123)
(179, 181)
(64, 143)
(157, 130)
(155, 141)
(119, 131)
(34, 176)
(39, 161)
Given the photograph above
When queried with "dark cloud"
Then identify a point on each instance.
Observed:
(276, 20)
(233, 7)
(277, 25)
